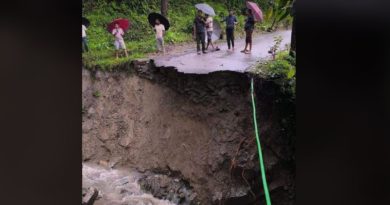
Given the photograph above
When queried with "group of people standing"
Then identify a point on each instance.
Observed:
(204, 25)
(119, 41)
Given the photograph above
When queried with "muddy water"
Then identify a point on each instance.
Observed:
(117, 187)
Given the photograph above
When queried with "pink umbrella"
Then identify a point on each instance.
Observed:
(256, 11)
(123, 23)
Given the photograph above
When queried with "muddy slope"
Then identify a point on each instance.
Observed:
(196, 127)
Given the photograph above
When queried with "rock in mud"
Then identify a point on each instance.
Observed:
(125, 139)
(114, 161)
(90, 196)
(168, 188)
(104, 163)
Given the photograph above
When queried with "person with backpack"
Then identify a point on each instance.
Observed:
(231, 21)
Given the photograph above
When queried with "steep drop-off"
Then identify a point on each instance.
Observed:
(197, 128)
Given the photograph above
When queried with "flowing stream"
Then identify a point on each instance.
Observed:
(117, 187)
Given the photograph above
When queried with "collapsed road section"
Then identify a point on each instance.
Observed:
(190, 134)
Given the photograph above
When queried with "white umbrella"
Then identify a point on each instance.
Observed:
(216, 31)
(205, 8)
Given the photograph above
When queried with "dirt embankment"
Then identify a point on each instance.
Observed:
(194, 127)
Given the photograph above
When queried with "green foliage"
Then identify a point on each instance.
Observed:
(239, 4)
(281, 70)
(278, 40)
(96, 94)
(278, 13)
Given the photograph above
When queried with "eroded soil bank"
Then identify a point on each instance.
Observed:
(194, 128)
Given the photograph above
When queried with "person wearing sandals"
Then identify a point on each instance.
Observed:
(209, 30)
(249, 27)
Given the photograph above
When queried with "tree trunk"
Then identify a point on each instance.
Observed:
(164, 7)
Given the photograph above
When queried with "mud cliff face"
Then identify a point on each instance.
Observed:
(194, 127)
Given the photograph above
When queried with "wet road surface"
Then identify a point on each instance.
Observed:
(190, 62)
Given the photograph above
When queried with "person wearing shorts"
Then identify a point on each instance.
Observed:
(249, 27)
(160, 30)
(209, 32)
(119, 41)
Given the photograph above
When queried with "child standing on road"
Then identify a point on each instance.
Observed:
(209, 29)
(119, 42)
(160, 31)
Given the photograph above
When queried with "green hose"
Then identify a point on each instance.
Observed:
(265, 185)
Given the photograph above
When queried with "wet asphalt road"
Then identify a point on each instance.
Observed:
(190, 62)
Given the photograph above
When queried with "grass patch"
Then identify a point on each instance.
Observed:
(96, 94)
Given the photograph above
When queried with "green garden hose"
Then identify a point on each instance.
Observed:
(262, 169)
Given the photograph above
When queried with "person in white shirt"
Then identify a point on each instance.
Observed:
(84, 41)
(209, 30)
(119, 42)
(160, 31)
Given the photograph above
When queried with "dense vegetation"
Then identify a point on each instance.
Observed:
(281, 69)
(140, 38)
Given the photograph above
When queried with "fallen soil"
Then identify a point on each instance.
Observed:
(192, 128)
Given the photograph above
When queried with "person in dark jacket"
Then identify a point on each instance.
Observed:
(199, 32)
(249, 27)
(231, 21)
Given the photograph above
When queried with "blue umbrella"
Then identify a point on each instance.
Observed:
(205, 8)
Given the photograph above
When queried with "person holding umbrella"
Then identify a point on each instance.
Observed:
(199, 32)
(160, 25)
(231, 21)
(249, 27)
(119, 41)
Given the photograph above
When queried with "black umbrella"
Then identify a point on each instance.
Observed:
(85, 21)
(152, 20)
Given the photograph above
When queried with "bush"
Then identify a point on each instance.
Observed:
(281, 70)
